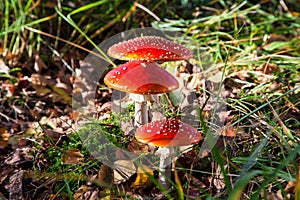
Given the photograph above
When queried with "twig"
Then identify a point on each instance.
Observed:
(8, 118)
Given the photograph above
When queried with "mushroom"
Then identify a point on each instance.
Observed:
(150, 49)
(143, 80)
(148, 80)
(167, 134)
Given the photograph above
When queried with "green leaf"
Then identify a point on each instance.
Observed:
(176, 97)
(277, 45)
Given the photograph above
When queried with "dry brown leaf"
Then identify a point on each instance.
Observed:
(137, 147)
(79, 192)
(4, 136)
(218, 179)
(14, 186)
(72, 156)
(290, 186)
(19, 157)
(4, 174)
(124, 169)
(127, 127)
(58, 90)
(74, 115)
(105, 175)
(224, 116)
(216, 77)
(39, 80)
(86, 193)
(227, 131)
(142, 180)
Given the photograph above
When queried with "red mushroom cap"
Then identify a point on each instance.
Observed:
(141, 78)
(149, 48)
(167, 133)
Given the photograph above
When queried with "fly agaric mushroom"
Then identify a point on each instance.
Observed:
(150, 49)
(142, 79)
(167, 133)
(147, 49)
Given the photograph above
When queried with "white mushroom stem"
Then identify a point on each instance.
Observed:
(141, 115)
(165, 165)
(167, 162)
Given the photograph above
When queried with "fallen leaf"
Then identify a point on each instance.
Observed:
(124, 169)
(39, 83)
(4, 174)
(55, 135)
(227, 131)
(290, 186)
(59, 93)
(4, 136)
(14, 186)
(105, 194)
(21, 156)
(86, 193)
(216, 77)
(137, 147)
(72, 156)
(104, 176)
(142, 180)
(127, 127)
(218, 179)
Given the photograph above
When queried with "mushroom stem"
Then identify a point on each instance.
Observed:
(140, 113)
(165, 165)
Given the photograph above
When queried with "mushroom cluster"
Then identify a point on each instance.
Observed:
(141, 75)
(142, 78)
